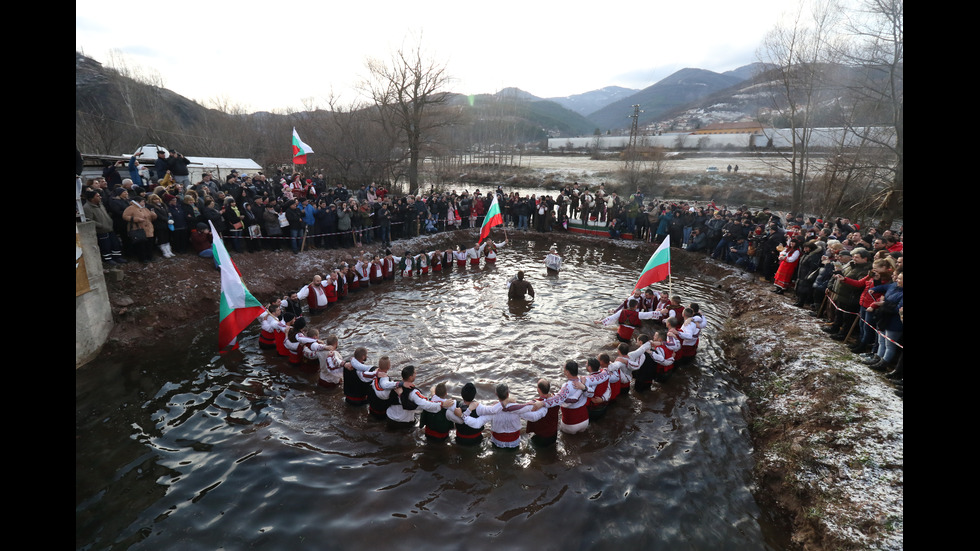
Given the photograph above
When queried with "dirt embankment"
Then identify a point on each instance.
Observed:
(827, 431)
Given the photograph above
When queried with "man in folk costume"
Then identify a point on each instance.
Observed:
(491, 250)
(650, 301)
(388, 266)
(629, 319)
(315, 295)
(342, 288)
(376, 271)
(542, 424)
(689, 332)
(646, 371)
(288, 319)
(448, 257)
(405, 264)
(473, 254)
(358, 376)
(437, 425)
(553, 261)
(673, 309)
(615, 374)
(637, 295)
(332, 365)
(270, 322)
(332, 288)
(572, 399)
(597, 388)
(435, 261)
(362, 268)
(504, 418)
(664, 350)
(352, 277)
(465, 434)
(460, 256)
(422, 263)
(629, 362)
(381, 395)
(411, 401)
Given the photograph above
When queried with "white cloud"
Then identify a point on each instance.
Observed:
(271, 55)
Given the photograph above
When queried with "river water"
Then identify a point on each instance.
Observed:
(178, 448)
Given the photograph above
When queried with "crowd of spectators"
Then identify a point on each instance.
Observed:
(840, 271)
(847, 276)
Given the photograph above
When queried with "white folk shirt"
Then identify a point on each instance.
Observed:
(398, 413)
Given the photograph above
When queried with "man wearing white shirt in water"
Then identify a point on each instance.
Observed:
(412, 401)
(553, 261)
(315, 295)
(504, 418)
(627, 362)
(572, 398)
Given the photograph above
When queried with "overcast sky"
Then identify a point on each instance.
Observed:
(271, 55)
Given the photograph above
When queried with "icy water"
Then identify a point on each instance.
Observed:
(177, 448)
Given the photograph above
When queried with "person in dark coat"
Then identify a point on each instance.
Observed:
(808, 271)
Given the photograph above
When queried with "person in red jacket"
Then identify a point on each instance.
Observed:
(880, 274)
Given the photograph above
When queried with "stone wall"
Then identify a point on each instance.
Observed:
(93, 314)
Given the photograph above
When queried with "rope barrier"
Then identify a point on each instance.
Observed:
(857, 314)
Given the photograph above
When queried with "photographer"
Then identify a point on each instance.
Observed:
(344, 225)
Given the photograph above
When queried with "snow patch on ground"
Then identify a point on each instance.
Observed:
(842, 424)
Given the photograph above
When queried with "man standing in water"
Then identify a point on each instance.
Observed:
(518, 288)
(572, 399)
(542, 424)
(553, 261)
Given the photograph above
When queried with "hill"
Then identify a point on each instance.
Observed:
(590, 102)
(677, 90)
(515, 116)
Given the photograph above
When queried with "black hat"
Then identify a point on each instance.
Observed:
(469, 392)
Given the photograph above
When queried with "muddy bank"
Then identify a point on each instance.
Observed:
(827, 431)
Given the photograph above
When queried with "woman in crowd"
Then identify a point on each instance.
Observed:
(181, 226)
(789, 259)
(161, 224)
(139, 227)
(890, 323)
(811, 254)
(234, 226)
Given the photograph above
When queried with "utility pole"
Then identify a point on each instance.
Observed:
(631, 154)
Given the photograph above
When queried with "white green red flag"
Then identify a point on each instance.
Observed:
(493, 218)
(238, 307)
(658, 267)
(300, 149)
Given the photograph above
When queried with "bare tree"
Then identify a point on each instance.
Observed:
(878, 49)
(796, 51)
(408, 91)
(358, 146)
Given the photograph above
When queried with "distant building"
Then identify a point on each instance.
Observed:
(753, 128)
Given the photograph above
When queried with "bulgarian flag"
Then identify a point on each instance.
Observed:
(492, 218)
(658, 267)
(238, 307)
(300, 149)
